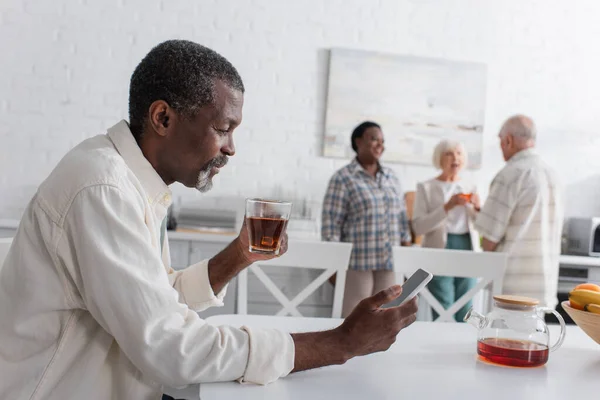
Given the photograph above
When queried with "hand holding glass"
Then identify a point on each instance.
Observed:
(266, 221)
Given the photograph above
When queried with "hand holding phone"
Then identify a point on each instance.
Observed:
(373, 327)
(414, 285)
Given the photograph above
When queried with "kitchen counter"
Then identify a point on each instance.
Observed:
(8, 227)
(202, 236)
(577, 269)
(9, 223)
(580, 260)
(215, 236)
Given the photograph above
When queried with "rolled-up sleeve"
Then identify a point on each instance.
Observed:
(106, 247)
(266, 366)
(194, 287)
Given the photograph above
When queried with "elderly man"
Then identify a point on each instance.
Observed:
(89, 304)
(523, 215)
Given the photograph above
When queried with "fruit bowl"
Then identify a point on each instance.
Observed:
(587, 321)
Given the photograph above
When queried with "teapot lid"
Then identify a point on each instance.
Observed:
(516, 300)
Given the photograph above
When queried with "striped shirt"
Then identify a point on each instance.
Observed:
(524, 215)
(368, 212)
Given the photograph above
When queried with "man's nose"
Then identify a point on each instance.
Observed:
(228, 147)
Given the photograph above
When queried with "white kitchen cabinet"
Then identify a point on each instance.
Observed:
(180, 253)
(7, 233)
(8, 228)
(202, 250)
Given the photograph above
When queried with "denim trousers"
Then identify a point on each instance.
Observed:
(448, 289)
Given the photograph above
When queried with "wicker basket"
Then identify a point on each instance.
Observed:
(587, 321)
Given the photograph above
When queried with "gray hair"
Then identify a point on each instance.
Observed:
(519, 126)
(183, 74)
(443, 147)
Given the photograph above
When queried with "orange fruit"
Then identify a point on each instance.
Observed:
(576, 305)
(588, 286)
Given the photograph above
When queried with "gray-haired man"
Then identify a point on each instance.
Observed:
(523, 215)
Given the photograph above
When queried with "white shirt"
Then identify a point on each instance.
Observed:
(457, 221)
(524, 215)
(430, 218)
(89, 307)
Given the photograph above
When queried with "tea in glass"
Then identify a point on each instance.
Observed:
(266, 221)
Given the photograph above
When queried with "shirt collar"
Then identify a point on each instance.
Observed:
(156, 189)
(355, 168)
(522, 154)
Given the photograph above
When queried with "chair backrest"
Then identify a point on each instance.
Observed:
(332, 257)
(4, 247)
(488, 267)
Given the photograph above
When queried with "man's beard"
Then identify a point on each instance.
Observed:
(204, 182)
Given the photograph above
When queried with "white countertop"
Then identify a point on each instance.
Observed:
(226, 237)
(580, 260)
(202, 236)
(428, 361)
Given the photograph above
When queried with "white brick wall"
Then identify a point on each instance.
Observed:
(66, 65)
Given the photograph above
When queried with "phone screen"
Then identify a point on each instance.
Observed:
(414, 285)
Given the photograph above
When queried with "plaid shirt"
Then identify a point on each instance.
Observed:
(368, 212)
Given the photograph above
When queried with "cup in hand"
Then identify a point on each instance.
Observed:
(266, 221)
(466, 196)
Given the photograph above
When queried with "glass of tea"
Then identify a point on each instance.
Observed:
(514, 333)
(266, 221)
(466, 196)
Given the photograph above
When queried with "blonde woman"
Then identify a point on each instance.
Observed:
(444, 210)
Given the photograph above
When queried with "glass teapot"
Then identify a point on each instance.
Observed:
(514, 333)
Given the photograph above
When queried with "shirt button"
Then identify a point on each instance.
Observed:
(167, 198)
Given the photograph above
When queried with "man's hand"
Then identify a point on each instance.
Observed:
(243, 242)
(235, 257)
(368, 329)
(488, 245)
(476, 201)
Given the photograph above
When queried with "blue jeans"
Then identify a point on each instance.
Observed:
(448, 289)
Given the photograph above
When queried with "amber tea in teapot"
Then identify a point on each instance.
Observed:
(514, 333)
(512, 352)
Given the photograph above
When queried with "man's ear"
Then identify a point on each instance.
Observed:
(160, 115)
(509, 140)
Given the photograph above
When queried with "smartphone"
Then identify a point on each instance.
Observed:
(414, 285)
